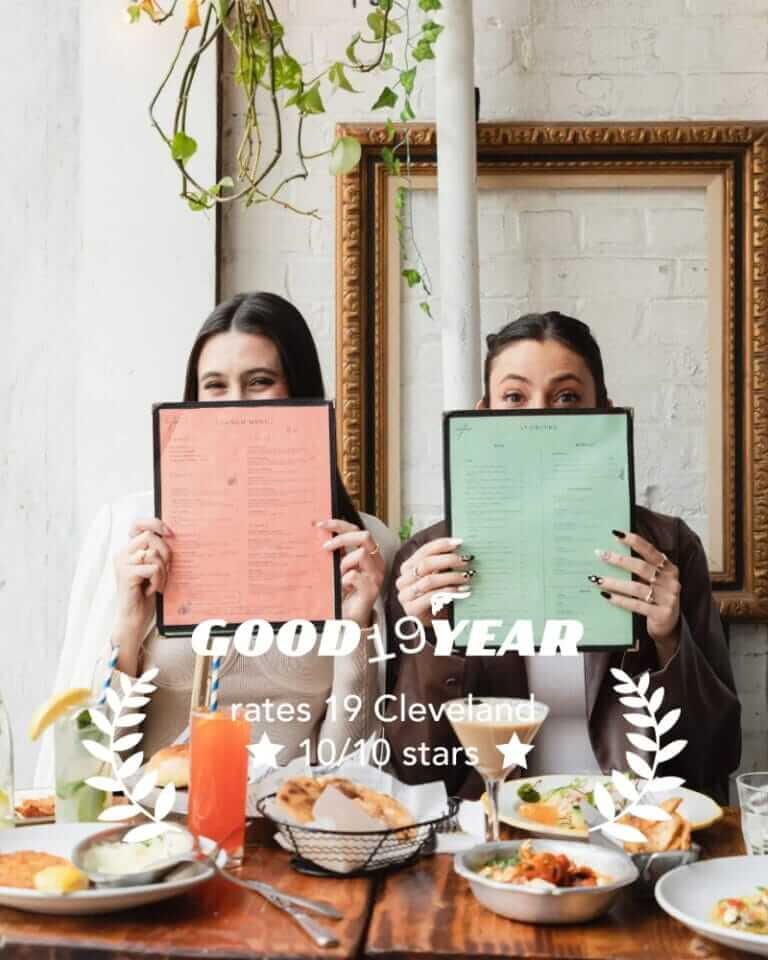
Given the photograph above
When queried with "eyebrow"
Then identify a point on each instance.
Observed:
(558, 378)
(246, 373)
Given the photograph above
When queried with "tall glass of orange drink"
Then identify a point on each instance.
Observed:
(218, 778)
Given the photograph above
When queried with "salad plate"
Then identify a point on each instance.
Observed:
(549, 805)
(725, 900)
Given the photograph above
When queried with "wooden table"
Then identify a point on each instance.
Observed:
(429, 911)
(423, 911)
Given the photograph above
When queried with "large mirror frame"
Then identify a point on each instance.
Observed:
(368, 308)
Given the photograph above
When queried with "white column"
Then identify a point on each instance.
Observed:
(457, 206)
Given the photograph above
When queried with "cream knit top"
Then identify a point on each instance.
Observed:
(295, 689)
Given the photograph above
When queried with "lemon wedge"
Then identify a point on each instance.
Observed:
(53, 708)
(63, 878)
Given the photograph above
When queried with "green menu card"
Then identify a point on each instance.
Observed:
(533, 494)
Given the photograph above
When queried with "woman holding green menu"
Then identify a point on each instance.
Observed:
(551, 361)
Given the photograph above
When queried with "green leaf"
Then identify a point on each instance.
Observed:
(288, 73)
(277, 30)
(391, 163)
(407, 113)
(376, 23)
(351, 55)
(406, 78)
(425, 307)
(428, 5)
(413, 277)
(400, 198)
(391, 131)
(430, 31)
(250, 70)
(134, 12)
(423, 51)
(406, 529)
(339, 79)
(387, 62)
(197, 202)
(345, 155)
(226, 182)
(308, 101)
(183, 147)
(387, 98)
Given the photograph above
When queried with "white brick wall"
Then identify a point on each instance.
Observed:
(561, 60)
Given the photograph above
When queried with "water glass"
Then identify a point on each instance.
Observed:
(77, 801)
(753, 800)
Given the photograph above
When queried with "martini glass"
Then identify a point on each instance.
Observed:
(482, 725)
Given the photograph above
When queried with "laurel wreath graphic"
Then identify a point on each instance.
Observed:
(135, 696)
(634, 696)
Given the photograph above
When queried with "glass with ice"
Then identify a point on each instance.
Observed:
(753, 800)
(76, 801)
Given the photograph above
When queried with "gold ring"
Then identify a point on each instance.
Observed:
(649, 597)
(372, 553)
(663, 562)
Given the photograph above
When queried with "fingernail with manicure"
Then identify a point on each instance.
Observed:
(618, 534)
(467, 557)
(594, 579)
(455, 541)
(602, 554)
(604, 594)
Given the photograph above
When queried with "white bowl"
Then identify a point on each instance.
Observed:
(557, 905)
(690, 893)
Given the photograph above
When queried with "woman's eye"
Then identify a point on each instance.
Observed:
(513, 397)
(568, 398)
(214, 385)
(261, 382)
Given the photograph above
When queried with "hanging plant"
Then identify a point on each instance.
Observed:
(274, 85)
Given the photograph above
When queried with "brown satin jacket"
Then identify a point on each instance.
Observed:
(698, 679)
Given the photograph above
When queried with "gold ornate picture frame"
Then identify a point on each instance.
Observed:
(729, 161)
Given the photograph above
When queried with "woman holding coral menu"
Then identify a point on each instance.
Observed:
(252, 347)
(552, 361)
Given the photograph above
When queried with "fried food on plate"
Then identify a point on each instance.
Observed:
(19, 869)
(172, 765)
(298, 796)
(662, 835)
(34, 808)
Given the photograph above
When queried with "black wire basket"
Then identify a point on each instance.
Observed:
(340, 853)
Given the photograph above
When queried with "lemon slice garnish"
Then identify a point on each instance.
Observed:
(53, 708)
(63, 878)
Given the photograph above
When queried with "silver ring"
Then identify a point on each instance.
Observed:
(654, 575)
(372, 553)
(649, 597)
(663, 562)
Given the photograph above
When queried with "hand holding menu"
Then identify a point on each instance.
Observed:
(242, 485)
(533, 494)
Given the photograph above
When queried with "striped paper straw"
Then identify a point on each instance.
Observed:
(108, 678)
(215, 684)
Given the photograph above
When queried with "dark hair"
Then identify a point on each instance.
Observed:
(268, 315)
(568, 331)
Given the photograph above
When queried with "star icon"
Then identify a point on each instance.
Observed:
(514, 752)
(265, 752)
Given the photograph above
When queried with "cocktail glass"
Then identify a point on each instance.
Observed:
(218, 778)
(77, 801)
(483, 725)
(753, 800)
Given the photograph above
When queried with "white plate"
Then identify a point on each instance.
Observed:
(20, 795)
(60, 839)
(690, 893)
(700, 810)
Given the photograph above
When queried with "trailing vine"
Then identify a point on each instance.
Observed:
(275, 85)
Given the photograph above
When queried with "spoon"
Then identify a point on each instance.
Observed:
(177, 867)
